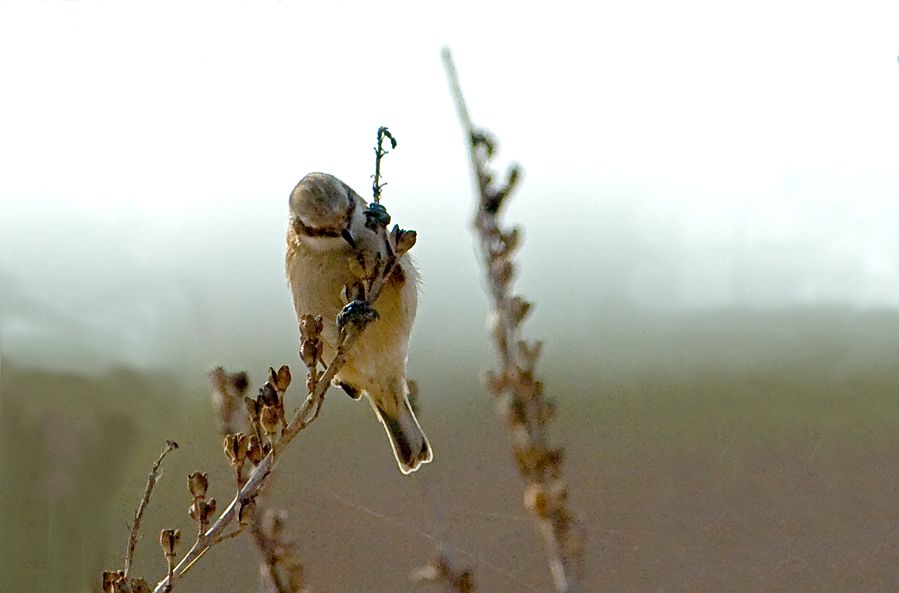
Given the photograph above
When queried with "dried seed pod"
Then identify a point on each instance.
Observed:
(310, 353)
(168, 539)
(197, 483)
(530, 352)
(236, 448)
(536, 500)
(282, 381)
(252, 406)
(405, 240)
(310, 326)
(239, 382)
(519, 309)
(140, 585)
(110, 578)
(268, 395)
(255, 450)
(496, 382)
(511, 240)
(202, 512)
(269, 420)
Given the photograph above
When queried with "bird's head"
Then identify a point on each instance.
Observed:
(322, 205)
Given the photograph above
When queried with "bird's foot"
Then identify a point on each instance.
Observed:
(357, 313)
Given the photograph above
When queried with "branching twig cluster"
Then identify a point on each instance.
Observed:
(282, 572)
(519, 394)
(253, 454)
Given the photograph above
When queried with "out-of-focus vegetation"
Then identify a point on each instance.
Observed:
(743, 451)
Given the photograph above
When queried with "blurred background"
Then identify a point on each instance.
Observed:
(710, 215)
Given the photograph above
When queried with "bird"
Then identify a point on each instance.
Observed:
(327, 238)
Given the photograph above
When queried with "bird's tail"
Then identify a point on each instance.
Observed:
(408, 441)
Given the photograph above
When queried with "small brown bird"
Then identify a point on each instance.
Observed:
(326, 236)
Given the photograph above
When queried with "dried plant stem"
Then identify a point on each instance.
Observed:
(304, 416)
(144, 501)
(519, 395)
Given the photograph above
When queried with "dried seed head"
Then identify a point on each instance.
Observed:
(110, 578)
(239, 382)
(296, 578)
(269, 420)
(236, 448)
(310, 353)
(202, 511)
(405, 240)
(252, 406)
(269, 395)
(198, 483)
(310, 326)
(168, 539)
(140, 585)
(530, 352)
(516, 413)
(496, 383)
(502, 270)
(218, 377)
(536, 500)
(519, 309)
(282, 378)
(511, 240)
(255, 450)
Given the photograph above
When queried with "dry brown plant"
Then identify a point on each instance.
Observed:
(253, 456)
(520, 401)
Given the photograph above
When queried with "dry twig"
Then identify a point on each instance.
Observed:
(281, 570)
(144, 501)
(519, 394)
(267, 411)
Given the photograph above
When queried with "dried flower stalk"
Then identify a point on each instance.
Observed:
(282, 571)
(519, 394)
(267, 413)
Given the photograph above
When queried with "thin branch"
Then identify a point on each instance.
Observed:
(380, 153)
(396, 243)
(139, 513)
(519, 395)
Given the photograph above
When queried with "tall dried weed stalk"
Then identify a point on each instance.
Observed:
(520, 401)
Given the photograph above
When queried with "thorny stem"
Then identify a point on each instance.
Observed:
(139, 513)
(519, 394)
(304, 416)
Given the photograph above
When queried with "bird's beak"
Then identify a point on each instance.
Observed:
(348, 237)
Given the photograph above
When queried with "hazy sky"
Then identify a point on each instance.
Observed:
(677, 154)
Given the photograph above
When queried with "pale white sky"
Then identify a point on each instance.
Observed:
(147, 148)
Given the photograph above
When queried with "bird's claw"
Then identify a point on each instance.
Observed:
(376, 215)
(356, 313)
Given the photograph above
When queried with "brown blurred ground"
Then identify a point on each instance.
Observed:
(778, 474)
